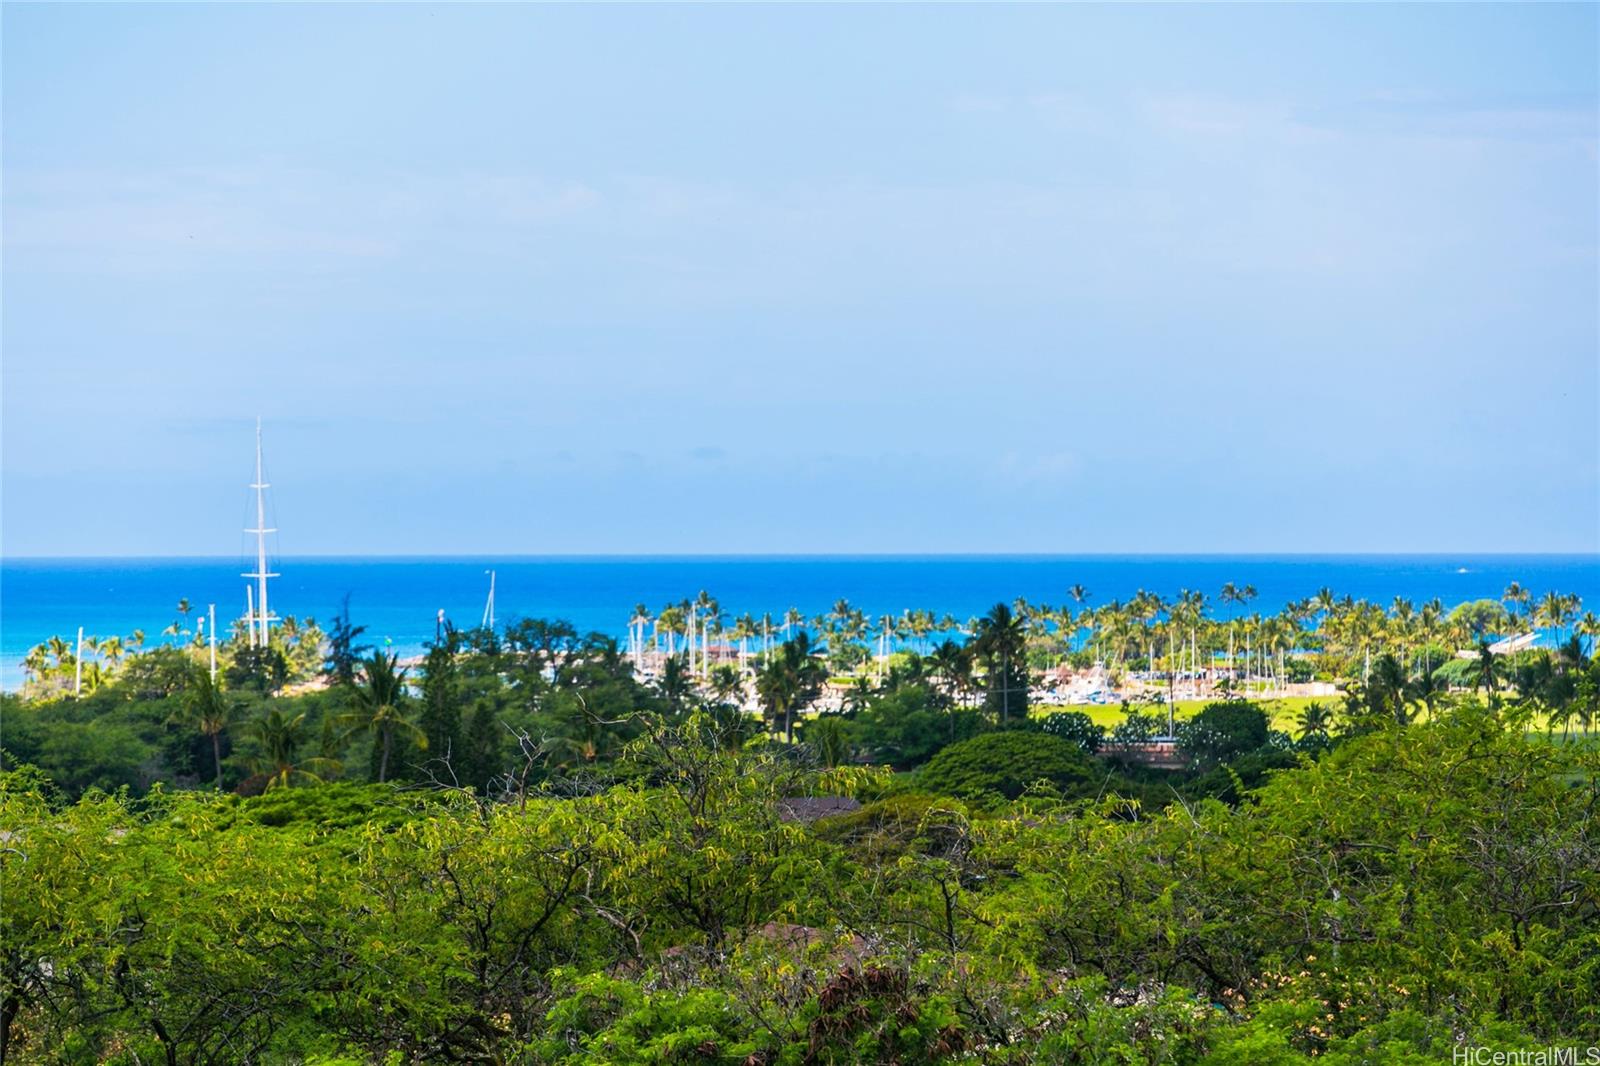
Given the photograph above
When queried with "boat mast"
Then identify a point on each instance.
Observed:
(261, 531)
(488, 608)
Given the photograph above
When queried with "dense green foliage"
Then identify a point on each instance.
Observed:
(1006, 765)
(1411, 889)
(523, 849)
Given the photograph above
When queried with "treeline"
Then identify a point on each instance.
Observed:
(500, 711)
(1407, 890)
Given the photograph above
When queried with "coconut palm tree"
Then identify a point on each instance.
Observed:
(1554, 612)
(1230, 598)
(952, 664)
(1315, 720)
(711, 628)
(1001, 643)
(886, 627)
(208, 710)
(111, 651)
(380, 708)
(790, 682)
(674, 684)
(1589, 626)
(280, 738)
(62, 653)
(1389, 689)
(701, 612)
(636, 623)
(744, 628)
(1486, 676)
(671, 621)
(858, 697)
(1516, 599)
(36, 664)
(829, 739)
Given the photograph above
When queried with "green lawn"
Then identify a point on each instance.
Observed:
(1283, 712)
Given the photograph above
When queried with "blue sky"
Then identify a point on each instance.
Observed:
(782, 279)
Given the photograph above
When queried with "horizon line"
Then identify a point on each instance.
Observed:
(881, 555)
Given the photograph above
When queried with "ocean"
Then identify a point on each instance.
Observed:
(398, 598)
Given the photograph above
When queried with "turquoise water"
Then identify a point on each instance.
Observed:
(399, 597)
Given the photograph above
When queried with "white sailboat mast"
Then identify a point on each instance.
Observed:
(261, 574)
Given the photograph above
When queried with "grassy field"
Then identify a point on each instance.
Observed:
(1283, 712)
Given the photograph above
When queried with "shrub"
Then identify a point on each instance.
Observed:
(1008, 764)
(907, 726)
(1223, 731)
(1076, 727)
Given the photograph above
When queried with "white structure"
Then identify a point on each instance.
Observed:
(259, 616)
(488, 607)
(1508, 646)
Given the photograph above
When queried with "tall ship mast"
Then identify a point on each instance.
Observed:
(258, 616)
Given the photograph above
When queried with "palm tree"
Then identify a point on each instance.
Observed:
(858, 697)
(1516, 598)
(280, 738)
(111, 651)
(701, 611)
(1487, 674)
(885, 641)
(37, 662)
(1554, 612)
(380, 708)
(1001, 642)
(952, 663)
(1230, 597)
(1388, 688)
(636, 623)
(1589, 626)
(1315, 720)
(711, 628)
(829, 737)
(62, 653)
(671, 622)
(207, 709)
(673, 684)
(744, 627)
(790, 682)
(727, 684)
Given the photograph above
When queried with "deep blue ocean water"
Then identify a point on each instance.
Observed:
(399, 597)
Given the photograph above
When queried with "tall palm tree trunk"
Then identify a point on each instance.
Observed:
(383, 762)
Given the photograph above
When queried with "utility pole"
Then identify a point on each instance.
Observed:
(77, 685)
(488, 607)
(212, 616)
